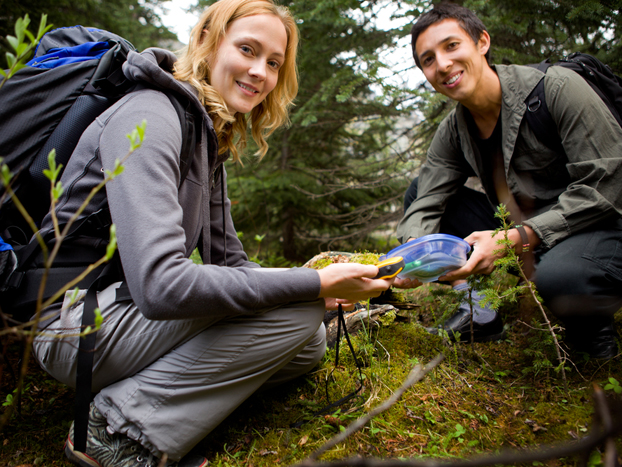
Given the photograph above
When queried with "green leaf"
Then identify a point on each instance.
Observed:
(6, 175)
(74, 296)
(20, 26)
(10, 59)
(112, 244)
(58, 190)
(13, 42)
(99, 319)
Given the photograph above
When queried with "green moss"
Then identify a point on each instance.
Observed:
(478, 400)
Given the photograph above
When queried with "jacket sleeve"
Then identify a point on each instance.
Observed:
(443, 173)
(144, 205)
(592, 140)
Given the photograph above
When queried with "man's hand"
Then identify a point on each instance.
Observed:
(405, 283)
(351, 282)
(482, 257)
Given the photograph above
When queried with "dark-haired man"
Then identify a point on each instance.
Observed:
(567, 204)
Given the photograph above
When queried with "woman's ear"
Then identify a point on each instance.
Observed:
(203, 35)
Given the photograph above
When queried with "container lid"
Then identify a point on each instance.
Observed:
(429, 257)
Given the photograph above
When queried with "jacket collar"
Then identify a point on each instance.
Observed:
(517, 82)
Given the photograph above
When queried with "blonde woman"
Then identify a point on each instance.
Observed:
(190, 343)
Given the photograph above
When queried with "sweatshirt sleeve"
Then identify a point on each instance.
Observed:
(144, 205)
(592, 140)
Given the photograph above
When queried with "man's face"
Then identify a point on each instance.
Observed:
(451, 62)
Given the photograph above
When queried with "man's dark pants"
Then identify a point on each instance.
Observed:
(579, 279)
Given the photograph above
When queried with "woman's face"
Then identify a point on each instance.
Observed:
(248, 61)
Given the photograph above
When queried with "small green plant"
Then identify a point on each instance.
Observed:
(22, 44)
(613, 385)
(510, 262)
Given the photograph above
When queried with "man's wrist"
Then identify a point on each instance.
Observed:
(524, 244)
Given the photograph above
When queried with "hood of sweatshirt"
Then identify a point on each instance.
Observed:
(154, 67)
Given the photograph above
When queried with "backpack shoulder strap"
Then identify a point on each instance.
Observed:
(183, 107)
(538, 116)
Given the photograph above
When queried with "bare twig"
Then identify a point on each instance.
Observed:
(606, 426)
(416, 375)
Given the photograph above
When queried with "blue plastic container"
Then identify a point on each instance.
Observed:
(431, 256)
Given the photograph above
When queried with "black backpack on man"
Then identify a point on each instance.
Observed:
(598, 75)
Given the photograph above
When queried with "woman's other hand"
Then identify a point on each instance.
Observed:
(352, 282)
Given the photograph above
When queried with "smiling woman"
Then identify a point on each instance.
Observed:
(247, 66)
(218, 29)
(190, 342)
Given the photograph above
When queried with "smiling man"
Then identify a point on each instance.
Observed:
(566, 204)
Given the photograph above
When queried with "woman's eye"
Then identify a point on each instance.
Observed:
(246, 49)
(427, 60)
(274, 64)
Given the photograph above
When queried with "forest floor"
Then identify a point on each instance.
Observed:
(482, 398)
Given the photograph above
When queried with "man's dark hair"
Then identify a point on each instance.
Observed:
(442, 11)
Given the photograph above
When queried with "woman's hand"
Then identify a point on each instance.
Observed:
(351, 282)
(333, 304)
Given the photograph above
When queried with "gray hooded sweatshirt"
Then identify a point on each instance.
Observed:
(158, 222)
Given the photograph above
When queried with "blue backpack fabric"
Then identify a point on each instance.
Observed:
(598, 75)
(65, 55)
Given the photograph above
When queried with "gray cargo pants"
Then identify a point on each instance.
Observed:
(167, 384)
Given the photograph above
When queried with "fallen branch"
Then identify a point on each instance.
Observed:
(416, 375)
(607, 425)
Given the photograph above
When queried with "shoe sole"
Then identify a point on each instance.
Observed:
(77, 457)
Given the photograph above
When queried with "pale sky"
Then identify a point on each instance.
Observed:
(177, 20)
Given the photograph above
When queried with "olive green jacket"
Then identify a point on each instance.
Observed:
(559, 194)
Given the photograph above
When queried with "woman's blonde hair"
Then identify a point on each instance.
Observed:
(194, 67)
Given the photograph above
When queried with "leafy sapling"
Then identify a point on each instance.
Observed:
(21, 47)
(510, 261)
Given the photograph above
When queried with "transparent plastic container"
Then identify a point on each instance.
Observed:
(431, 256)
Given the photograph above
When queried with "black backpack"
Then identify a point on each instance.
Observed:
(598, 75)
(75, 75)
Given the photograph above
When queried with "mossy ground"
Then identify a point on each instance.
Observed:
(480, 399)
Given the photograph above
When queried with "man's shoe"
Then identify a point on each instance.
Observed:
(116, 450)
(599, 344)
(461, 323)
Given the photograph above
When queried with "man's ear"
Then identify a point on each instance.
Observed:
(484, 42)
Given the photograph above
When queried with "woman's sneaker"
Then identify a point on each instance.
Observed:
(116, 450)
